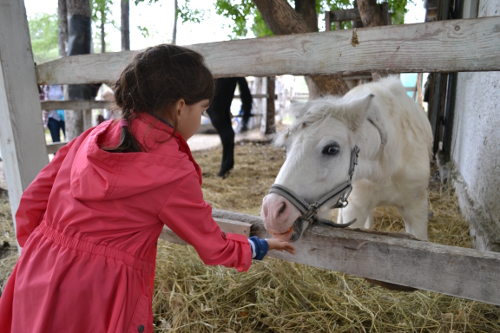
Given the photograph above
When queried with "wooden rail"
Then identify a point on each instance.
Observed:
(73, 105)
(444, 46)
(52, 148)
(449, 270)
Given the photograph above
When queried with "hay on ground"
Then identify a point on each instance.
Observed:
(279, 296)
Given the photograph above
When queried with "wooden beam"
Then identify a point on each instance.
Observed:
(254, 96)
(361, 76)
(52, 148)
(21, 130)
(450, 270)
(345, 15)
(328, 21)
(268, 125)
(445, 46)
(73, 105)
(226, 225)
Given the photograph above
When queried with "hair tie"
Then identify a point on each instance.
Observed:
(124, 122)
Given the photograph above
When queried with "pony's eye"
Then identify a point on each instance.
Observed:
(331, 150)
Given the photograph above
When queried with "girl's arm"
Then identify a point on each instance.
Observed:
(190, 217)
(260, 246)
(34, 199)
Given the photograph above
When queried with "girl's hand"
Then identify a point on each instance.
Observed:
(276, 244)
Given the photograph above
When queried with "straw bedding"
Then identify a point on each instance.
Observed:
(278, 296)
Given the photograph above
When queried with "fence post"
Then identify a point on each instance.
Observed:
(21, 130)
(268, 125)
(328, 22)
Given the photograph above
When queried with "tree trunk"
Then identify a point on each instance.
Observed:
(80, 38)
(125, 25)
(268, 125)
(103, 32)
(62, 30)
(370, 12)
(282, 19)
(307, 10)
(371, 16)
(174, 33)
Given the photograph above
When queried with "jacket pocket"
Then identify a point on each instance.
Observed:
(139, 322)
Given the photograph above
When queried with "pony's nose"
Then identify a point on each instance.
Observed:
(275, 210)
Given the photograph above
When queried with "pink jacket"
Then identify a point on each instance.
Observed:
(89, 223)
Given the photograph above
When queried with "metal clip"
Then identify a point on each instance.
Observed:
(310, 215)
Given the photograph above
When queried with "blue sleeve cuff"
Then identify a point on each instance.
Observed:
(259, 247)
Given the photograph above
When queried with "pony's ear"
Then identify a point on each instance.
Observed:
(356, 111)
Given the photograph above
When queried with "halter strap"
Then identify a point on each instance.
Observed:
(309, 210)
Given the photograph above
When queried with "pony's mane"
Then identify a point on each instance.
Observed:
(311, 112)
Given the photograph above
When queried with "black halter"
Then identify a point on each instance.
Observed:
(309, 211)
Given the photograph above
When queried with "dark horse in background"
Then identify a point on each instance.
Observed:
(220, 116)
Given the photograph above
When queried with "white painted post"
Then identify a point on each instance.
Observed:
(21, 130)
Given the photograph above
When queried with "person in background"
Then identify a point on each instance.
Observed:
(54, 119)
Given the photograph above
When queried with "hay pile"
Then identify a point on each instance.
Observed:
(278, 296)
(8, 254)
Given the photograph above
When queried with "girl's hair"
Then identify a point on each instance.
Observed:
(154, 81)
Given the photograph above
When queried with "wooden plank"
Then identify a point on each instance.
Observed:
(21, 130)
(73, 105)
(450, 270)
(345, 15)
(226, 225)
(268, 125)
(233, 226)
(254, 96)
(445, 46)
(361, 76)
(434, 109)
(419, 90)
(328, 21)
(52, 148)
(170, 236)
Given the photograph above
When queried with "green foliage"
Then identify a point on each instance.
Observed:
(241, 12)
(43, 34)
(187, 14)
(237, 11)
(101, 12)
(259, 27)
(144, 31)
(398, 9)
(149, 1)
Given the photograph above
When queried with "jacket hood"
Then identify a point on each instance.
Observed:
(100, 175)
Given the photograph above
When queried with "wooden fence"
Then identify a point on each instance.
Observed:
(445, 46)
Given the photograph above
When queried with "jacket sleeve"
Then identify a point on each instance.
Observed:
(190, 217)
(35, 198)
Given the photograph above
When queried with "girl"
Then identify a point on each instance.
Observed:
(89, 222)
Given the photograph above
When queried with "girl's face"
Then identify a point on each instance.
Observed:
(189, 117)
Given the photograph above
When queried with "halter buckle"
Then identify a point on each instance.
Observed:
(310, 214)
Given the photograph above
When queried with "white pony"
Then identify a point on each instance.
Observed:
(394, 138)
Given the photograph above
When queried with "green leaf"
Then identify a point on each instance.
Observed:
(244, 14)
(43, 34)
(144, 31)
